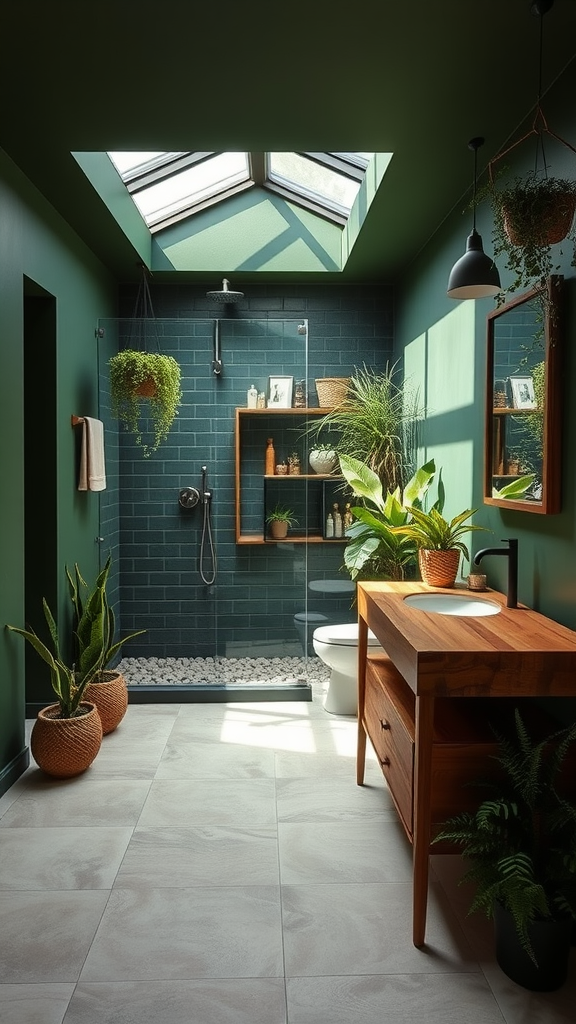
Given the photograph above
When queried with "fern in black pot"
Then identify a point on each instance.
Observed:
(520, 845)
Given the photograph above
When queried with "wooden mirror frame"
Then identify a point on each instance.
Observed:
(547, 304)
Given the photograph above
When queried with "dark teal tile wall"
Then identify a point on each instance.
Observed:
(258, 588)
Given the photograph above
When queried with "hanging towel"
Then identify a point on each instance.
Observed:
(92, 468)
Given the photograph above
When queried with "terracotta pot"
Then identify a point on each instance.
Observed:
(438, 568)
(110, 696)
(147, 389)
(278, 529)
(64, 747)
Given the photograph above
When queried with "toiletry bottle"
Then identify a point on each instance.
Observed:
(270, 462)
(337, 520)
(347, 518)
(329, 529)
(252, 397)
(261, 403)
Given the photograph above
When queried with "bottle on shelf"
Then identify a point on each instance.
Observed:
(329, 528)
(347, 518)
(338, 531)
(252, 397)
(261, 401)
(270, 461)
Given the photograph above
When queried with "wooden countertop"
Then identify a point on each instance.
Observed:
(517, 652)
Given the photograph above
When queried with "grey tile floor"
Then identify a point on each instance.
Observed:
(217, 864)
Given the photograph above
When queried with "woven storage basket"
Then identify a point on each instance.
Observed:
(64, 747)
(332, 391)
(110, 696)
(438, 568)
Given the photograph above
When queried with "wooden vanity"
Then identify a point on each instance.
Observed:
(429, 744)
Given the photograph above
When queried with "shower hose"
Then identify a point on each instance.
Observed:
(207, 573)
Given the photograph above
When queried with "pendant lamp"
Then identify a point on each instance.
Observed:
(474, 275)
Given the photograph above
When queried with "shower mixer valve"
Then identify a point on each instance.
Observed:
(189, 497)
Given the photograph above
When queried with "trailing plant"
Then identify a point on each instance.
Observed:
(375, 551)
(520, 843)
(129, 371)
(376, 424)
(526, 211)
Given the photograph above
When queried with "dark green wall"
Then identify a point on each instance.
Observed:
(52, 290)
(445, 341)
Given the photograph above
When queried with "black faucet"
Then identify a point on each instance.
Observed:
(511, 553)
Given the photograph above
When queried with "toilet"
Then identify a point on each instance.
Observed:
(337, 647)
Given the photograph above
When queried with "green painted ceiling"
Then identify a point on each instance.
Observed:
(415, 78)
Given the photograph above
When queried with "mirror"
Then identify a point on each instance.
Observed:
(523, 428)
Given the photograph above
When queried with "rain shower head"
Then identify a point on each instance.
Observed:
(225, 295)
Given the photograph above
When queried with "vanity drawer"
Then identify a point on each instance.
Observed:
(389, 723)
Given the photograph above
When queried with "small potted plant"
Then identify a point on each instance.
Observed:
(145, 384)
(279, 519)
(439, 542)
(520, 849)
(322, 458)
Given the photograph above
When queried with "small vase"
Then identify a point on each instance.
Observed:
(438, 568)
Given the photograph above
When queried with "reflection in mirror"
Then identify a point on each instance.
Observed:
(522, 443)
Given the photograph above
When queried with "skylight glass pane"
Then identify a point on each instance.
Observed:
(188, 187)
(127, 163)
(313, 180)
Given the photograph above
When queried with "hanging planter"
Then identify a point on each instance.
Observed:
(142, 385)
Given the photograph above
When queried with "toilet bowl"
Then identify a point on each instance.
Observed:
(337, 646)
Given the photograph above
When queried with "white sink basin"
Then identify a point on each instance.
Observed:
(452, 604)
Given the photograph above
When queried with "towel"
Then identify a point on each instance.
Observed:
(92, 468)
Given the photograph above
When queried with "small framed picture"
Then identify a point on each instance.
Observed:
(280, 392)
(523, 396)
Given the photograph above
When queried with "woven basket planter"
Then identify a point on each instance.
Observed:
(554, 223)
(332, 391)
(147, 389)
(110, 695)
(438, 568)
(64, 747)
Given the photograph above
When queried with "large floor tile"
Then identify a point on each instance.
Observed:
(337, 799)
(34, 1004)
(228, 1001)
(79, 801)
(351, 851)
(209, 855)
(520, 1006)
(223, 802)
(365, 929)
(331, 765)
(393, 999)
(204, 932)
(188, 759)
(45, 936)
(61, 858)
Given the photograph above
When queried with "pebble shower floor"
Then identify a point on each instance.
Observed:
(223, 671)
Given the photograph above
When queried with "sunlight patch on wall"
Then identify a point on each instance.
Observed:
(450, 360)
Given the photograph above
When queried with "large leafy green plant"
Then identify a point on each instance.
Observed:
(430, 530)
(375, 550)
(520, 843)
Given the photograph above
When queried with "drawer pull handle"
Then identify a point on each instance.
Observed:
(384, 723)
(385, 761)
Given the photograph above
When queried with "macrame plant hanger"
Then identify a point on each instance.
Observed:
(540, 125)
(144, 326)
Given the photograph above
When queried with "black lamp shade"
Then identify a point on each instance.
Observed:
(474, 275)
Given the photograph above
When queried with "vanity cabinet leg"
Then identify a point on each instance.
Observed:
(422, 811)
(362, 655)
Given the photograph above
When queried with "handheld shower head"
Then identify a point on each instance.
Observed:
(226, 295)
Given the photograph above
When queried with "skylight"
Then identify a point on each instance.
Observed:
(167, 187)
